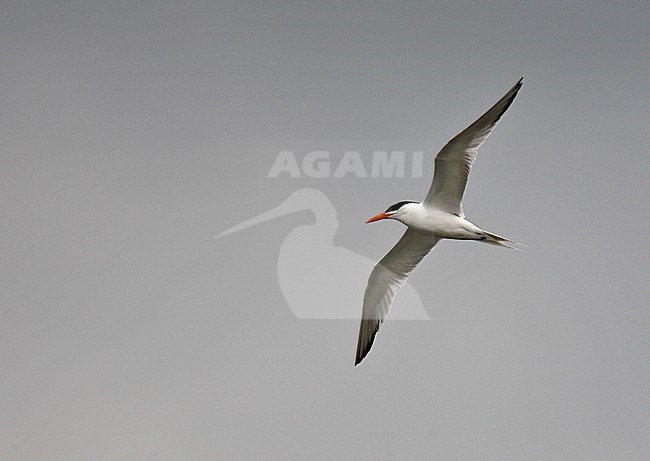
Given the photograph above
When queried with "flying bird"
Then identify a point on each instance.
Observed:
(439, 216)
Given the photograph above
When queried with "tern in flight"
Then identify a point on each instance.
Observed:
(439, 216)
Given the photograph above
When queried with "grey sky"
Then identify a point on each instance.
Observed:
(131, 135)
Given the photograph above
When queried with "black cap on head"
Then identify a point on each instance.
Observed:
(398, 205)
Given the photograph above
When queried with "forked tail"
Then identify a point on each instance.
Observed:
(494, 239)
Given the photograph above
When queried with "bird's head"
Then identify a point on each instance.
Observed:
(400, 211)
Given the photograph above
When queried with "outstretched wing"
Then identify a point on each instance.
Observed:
(455, 160)
(388, 276)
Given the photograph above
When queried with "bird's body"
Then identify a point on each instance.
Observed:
(439, 216)
(431, 220)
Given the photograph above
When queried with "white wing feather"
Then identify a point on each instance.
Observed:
(454, 161)
(387, 277)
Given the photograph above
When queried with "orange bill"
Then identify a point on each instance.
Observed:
(377, 217)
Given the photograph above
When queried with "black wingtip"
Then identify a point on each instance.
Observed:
(364, 344)
(364, 349)
(519, 84)
(360, 356)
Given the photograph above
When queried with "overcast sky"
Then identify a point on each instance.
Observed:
(133, 133)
